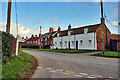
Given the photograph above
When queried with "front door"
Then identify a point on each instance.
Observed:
(69, 44)
(113, 45)
(76, 44)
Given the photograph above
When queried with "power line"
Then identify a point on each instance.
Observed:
(109, 21)
(16, 16)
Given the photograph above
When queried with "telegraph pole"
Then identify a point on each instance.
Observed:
(40, 36)
(40, 29)
(9, 16)
(102, 26)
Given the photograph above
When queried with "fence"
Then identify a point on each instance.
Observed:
(8, 46)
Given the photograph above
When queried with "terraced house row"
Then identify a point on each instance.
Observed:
(85, 37)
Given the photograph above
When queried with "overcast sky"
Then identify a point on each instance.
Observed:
(31, 15)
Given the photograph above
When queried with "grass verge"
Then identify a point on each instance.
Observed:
(18, 66)
(108, 54)
(62, 50)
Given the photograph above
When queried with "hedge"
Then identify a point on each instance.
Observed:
(8, 46)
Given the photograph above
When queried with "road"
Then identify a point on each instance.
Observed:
(63, 65)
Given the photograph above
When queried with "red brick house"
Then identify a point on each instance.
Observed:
(47, 38)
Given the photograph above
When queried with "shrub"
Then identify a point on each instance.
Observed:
(8, 46)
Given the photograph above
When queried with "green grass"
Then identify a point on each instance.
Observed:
(62, 50)
(17, 66)
(108, 54)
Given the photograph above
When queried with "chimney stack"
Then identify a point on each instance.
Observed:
(69, 27)
(22, 37)
(103, 20)
(59, 29)
(36, 36)
(39, 34)
(32, 36)
(51, 29)
(26, 37)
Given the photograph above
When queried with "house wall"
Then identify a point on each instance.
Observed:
(106, 38)
(84, 37)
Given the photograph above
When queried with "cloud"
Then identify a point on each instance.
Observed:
(22, 30)
(115, 23)
(54, 20)
(38, 23)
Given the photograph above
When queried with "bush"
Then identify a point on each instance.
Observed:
(30, 46)
(8, 46)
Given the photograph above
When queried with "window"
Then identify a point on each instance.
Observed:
(31, 41)
(55, 43)
(85, 30)
(90, 42)
(89, 28)
(65, 43)
(69, 33)
(72, 43)
(36, 41)
(58, 34)
(60, 43)
(81, 42)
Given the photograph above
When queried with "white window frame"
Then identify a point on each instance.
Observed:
(81, 42)
(65, 44)
(89, 42)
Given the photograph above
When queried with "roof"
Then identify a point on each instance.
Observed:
(80, 30)
(34, 38)
(49, 34)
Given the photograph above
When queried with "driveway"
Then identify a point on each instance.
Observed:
(62, 65)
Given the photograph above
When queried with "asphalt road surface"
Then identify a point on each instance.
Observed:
(63, 65)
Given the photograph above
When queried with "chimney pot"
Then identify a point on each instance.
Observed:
(69, 27)
(35, 35)
(59, 29)
(51, 29)
(32, 36)
(26, 37)
(22, 37)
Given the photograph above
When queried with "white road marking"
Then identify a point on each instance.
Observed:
(59, 70)
(90, 77)
(53, 71)
(99, 76)
(83, 73)
(70, 72)
(110, 77)
(78, 75)
(48, 68)
(65, 73)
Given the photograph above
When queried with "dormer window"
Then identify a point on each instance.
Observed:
(69, 33)
(58, 34)
(85, 30)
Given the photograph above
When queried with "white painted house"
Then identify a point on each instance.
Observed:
(86, 38)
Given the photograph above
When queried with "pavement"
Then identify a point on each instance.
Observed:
(63, 65)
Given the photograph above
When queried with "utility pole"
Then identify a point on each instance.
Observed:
(102, 26)
(40, 36)
(9, 16)
(40, 29)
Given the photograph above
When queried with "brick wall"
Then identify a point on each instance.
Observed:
(116, 37)
(99, 38)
